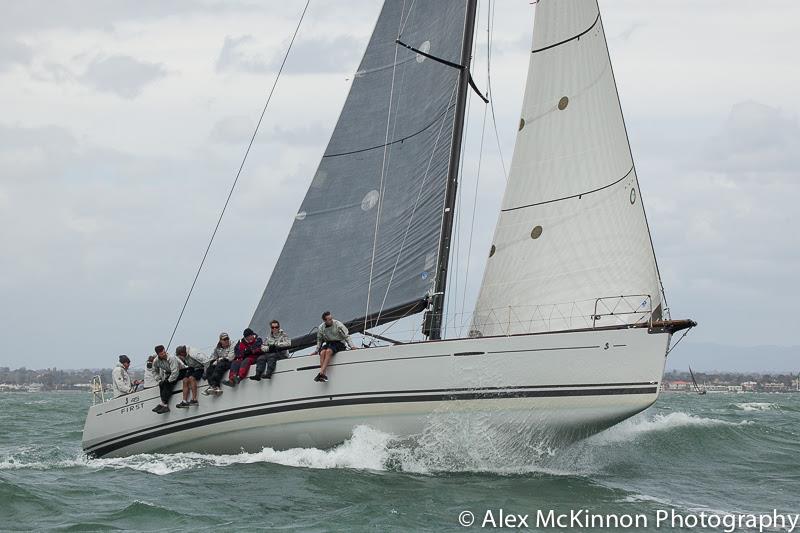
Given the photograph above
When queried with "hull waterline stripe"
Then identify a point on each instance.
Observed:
(372, 393)
(247, 412)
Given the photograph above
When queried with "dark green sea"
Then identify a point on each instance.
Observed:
(719, 453)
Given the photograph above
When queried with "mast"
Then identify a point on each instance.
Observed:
(432, 326)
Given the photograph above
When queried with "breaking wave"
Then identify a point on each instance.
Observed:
(638, 426)
(448, 446)
(756, 406)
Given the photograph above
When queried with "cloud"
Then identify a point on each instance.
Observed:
(13, 53)
(757, 142)
(246, 54)
(122, 75)
(99, 14)
(237, 130)
(107, 223)
(238, 54)
(720, 212)
(628, 33)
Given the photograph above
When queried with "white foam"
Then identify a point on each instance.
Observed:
(637, 498)
(440, 450)
(450, 444)
(756, 406)
(635, 427)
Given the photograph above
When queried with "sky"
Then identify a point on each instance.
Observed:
(123, 123)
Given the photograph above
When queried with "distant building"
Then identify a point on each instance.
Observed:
(775, 387)
(750, 386)
(677, 385)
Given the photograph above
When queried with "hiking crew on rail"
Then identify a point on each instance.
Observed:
(190, 365)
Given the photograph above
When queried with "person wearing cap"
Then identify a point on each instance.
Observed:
(247, 351)
(276, 347)
(169, 370)
(221, 359)
(195, 362)
(120, 378)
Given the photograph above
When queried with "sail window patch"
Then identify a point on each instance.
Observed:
(424, 47)
(633, 196)
(536, 232)
(563, 103)
(370, 200)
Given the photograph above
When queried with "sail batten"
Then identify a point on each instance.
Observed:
(364, 240)
(571, 247)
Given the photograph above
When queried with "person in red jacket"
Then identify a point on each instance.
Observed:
(246, 352)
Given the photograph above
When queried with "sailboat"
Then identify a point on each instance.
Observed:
(697, 388)
(571, 329)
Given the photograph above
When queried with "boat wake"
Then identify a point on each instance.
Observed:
(639, 426)
(447, 446)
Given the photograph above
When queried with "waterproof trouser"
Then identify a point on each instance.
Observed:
(269, 361)
(216, 372)
(165, 388)
(240, 367)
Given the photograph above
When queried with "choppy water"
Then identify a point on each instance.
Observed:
(720, 452)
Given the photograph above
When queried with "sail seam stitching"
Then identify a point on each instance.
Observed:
(565, 41)
(571, 196)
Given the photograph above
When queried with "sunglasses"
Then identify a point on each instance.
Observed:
(274, 327)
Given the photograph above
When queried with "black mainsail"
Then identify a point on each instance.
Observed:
(366, 240)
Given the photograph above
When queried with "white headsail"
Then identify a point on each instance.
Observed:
(572, 242)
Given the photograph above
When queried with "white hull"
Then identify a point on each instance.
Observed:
(559, 386)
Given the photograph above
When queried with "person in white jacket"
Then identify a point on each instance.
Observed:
(169, 369)
(220, 364)
(120, 378)
(150, 373)
(195, 362)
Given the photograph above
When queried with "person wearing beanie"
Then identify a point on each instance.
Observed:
(121, 380)
(245, 354)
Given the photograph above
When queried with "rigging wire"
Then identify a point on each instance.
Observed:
(383, 169)
(490, 92)
(239, 172)
(452, 310)
(478, 174)
(678, 341)
(416, 204)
